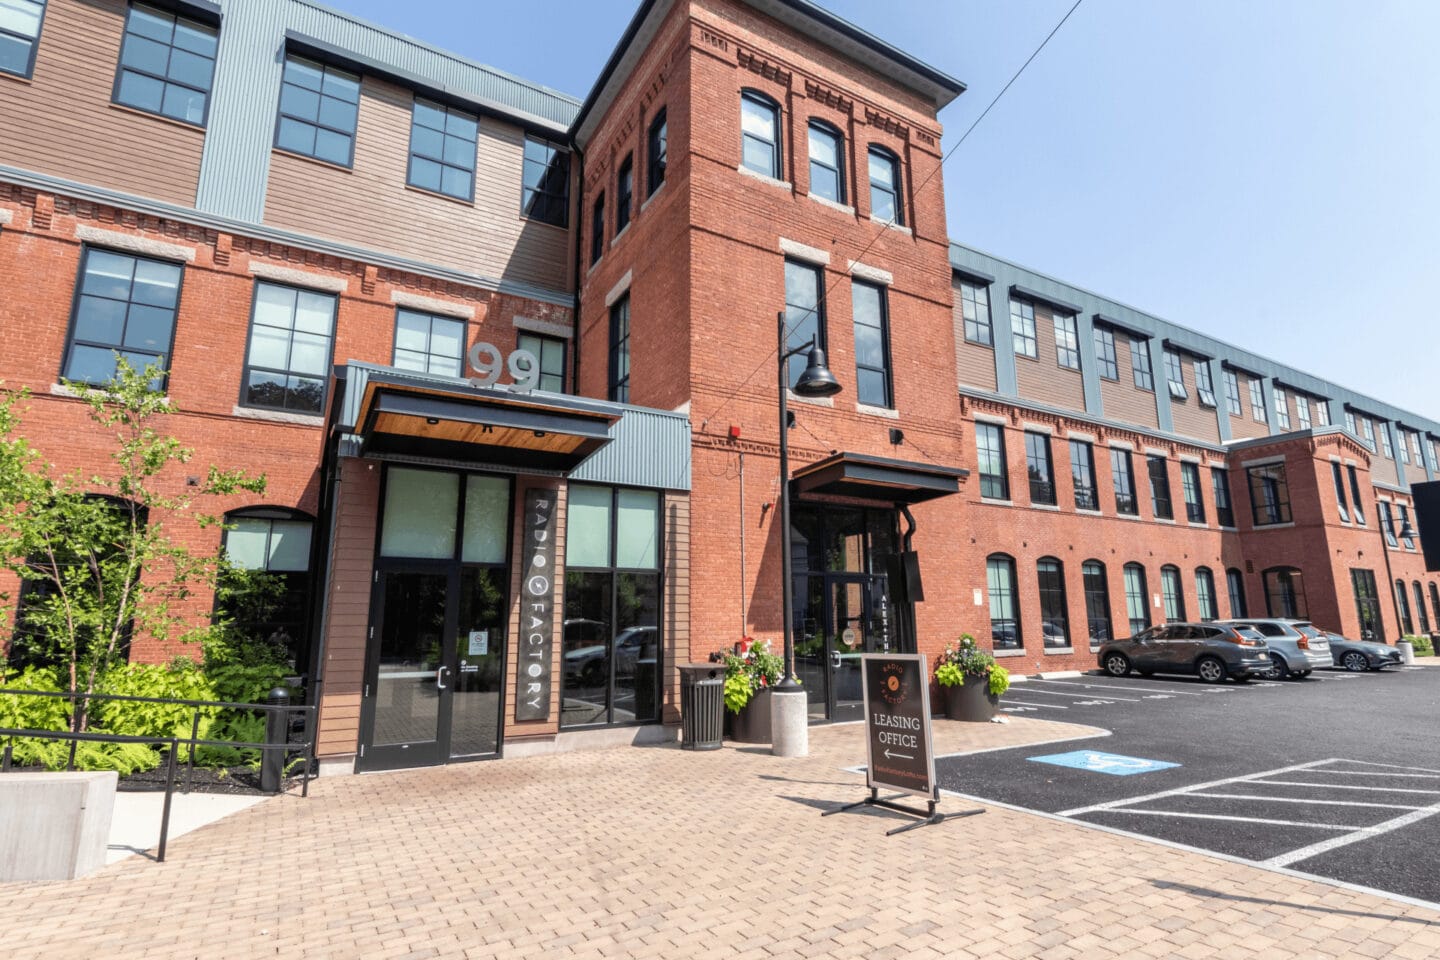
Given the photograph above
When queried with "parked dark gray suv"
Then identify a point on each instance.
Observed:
(1210, 651)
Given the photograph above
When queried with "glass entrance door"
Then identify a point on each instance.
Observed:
(838, 618)
(409, 705)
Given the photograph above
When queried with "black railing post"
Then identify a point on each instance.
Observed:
(5, 758)
(190, 761)
(277, 734)
(169, 792)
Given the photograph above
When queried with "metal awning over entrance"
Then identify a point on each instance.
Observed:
(879, 479)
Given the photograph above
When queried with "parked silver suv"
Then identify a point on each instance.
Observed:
(1296, 646)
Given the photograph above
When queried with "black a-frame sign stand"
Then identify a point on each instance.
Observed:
(927, 816)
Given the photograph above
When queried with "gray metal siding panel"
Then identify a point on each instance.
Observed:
(650, 449)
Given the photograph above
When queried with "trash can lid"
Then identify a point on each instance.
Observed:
(705, 668)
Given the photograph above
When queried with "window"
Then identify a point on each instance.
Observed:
(760, 134)
(1282, 408)
(620, 350)
(1190, 486)
(1387, 523)
(1232, 393)
(1175, 375)
(1367, 429)
(885, 186)
(1123, 479)
(1204, 386)
(1004, 613)
(1105, 353)
(550, 354)
(1367, 605)
(277, 541)
(545, 187)
(1067, 341)
(1405, 522)
(1407, 625)
(611, 643)
(657, 148)
(1140, 364)
(1285, 594)
(804, 311)
(1160, 487)
(1022, 328)
(1269, 495)
(1350, 423)
(1384, 439)
(125, 307)
(1037, 467)
(289, 353)
(1054, 621)
(19, 34)
(827, 166)
(442, 150)
(1082, 474)
(1420, 611)
(1355, 496)
(428, 343)
(1137, 598)
(1435, 601)
(624, 193)
(1415, 449)
(319, 107)
(1302, 411)
(1170, 590)
(1340, 493)
(166, 61)
(990, 457)
(872, 344)
(1205, 594)
(1220, 486)
(1097, 601)
(597, 229)
(1235, 583)
(1322, 412)
(975, 308)
(1404, 450)
(1257, 402)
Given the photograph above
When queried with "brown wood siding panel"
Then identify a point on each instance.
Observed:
(1122, 400)
(62, 122)
(1244, 427)
(677, 600)
(1189, 417)
(974, 364)
(371, 206)
(1044, 379)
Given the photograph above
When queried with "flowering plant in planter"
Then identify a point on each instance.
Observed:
(966, 659)
(750, 669)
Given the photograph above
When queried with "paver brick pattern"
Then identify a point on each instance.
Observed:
(656, 852)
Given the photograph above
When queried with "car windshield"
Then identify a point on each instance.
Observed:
(1250, 633)
(1309, 629)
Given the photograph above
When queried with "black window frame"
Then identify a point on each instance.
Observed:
(430, 354)
(1235, 588)
(1122, 474)
(541, 201)
(326, 69)
(971, 295)
(542, 340)
(163, 360)
(1387, 523)
(887, 400)
(1067, 326)
(297, 586)
(1010, 596)
(1233, 403)
(1204, 383)
(249, 340)
(1257, 400)
(825, 129)
(876, 152)
(1404, 522)
(1173, 600)
(1422, 616)
(446, 137)
(624, 193)
(1269, 495)
(1359, 505)
(121, 67)
(1402, 603)
(1082, 475)
(1024, 338)
(1367, 604)
(1140, 368)
(801, 312)
(1174, 374)
(33, 41)
(985, 433)
(1435, 602)
(1340, 501)
(1282, 406)
(1207, 605)
(1282, 598)
(1054, 609)
(1190, 490)
(597, 228)
(1161, 503)
(1136, 624)
(1040, 468)
(776, 143)
(1220, 490)
(657, 152)
(1106, 359)
(618, 389)
(1302, 412)
(1096, 586)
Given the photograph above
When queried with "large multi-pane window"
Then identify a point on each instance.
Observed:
(611, 643)
(1205, 594)
(1282, 407)
(760, 133)
(1387, 523)
(624, 192)
(289, 356)
(1269, 494)
(1122, 476)
(1367, 604)
(276, 541)
(20, 34)
(975, 308)
(1082, 474)
(1172, 593)
(1322, 412)
(1340, 492)
(319, 108)
(827, 165)
(1067, 341)
(1190, 486)
(1384, 440)
(1235, 585)
(1004, 608)
(1039, 469)
(1232, 393)
(804, 312)
(1137, 598)
(1420, 611)
(1257, 401)
(550, 355)
(1022, 329)
(429, 343)
(1285, 593)
(545, 183)
(1097, 601)
(442, 149)
(1302, 411)
(1175, 375)
(990, 458)
(125, 307)
(1105, 353)
(885, 186)
(1054, 619)
(167, 62)
(657, 152)
(1140, 363)
(1350, 423)
(1407, 625)
(1355, 496)
(620, 350)
(1160, 501)
(1204, 386)
(1367, 432)
(597, 229)
(1220, 486)
(872, 344)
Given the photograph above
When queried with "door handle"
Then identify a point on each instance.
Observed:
(835, 659)
(440, 678)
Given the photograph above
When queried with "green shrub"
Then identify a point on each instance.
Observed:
(34, 713)
(1423, 646)
(178, 680)
(999, 680)
(949, 675)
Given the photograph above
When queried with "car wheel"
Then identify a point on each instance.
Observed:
(1211, 669)
(1355, 662)
(1117, 664)
(1277, 670)
(1303, 674)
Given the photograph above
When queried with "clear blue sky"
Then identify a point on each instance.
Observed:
(1266, 172)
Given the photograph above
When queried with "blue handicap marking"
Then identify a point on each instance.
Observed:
(1112, 763)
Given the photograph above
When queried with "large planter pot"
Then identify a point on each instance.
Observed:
(752, 723)
(971, 701)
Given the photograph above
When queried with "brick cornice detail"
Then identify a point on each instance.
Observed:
(829, 97)
(759, 64)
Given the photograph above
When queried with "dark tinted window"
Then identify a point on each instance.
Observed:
(658, 151)
(166, 62)
(125, 307)
(319, 108)
(545, 192)
(442, 149)
(872, 344)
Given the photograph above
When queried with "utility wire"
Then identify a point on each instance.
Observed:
(891, 222)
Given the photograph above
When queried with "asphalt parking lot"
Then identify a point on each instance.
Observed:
(1335, 776)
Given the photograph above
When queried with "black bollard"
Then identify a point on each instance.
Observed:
(277, 733)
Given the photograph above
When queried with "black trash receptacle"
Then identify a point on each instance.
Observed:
(702, 705)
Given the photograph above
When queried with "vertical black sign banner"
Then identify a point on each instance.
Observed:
(897, 723)
(533, 673)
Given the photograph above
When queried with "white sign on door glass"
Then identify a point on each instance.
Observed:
(479, 643)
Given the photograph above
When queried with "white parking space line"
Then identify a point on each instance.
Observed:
(1111, 804)
(1328, 803)
(1387, 766)
(1377, 773)
(1031, 689)
(1340, 786)
(1116, 686)
(1364, 833)
(1022, 703)
(1217, 816)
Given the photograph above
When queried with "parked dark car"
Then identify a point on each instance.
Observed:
(1357, 656)
(1210, 651)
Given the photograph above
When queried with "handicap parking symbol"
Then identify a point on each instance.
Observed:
(1115, 764)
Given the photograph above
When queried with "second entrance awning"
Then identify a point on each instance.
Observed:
(881, 479)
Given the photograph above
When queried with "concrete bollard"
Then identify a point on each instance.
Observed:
(1407, 651)
(789, 723)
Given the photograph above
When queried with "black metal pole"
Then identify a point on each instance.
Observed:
(787, 588)
(1387, 530)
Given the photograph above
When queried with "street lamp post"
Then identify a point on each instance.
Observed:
(789, 714)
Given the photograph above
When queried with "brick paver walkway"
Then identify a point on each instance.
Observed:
(654, 852)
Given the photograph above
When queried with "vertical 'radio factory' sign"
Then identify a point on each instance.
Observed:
(537, 606)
